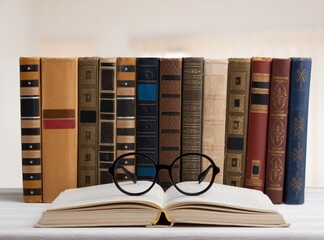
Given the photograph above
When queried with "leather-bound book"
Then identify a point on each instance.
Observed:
(126, 110)
(170, 116)
(258, 123)
(192, 113)
(214, 113)
(107, 117)
(30, 94)
(147, 114)
(238, 88)
(88, 121)
(277, 129)
(59, 128)
(300, 75)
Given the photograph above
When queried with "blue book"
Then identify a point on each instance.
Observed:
(294, 187)
(147, 115)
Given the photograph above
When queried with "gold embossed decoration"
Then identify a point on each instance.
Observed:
(280, 96)
(276, 170)
(277, 133)
(298, 125)
(297, 154)
(296, 184)
(301, 75)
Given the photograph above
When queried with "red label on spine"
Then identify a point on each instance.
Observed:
(59, 124)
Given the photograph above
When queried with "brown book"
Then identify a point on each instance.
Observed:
(258, 124)
(30, 94)
(88, 121)
(277, 129)
(214, 113)
(170, 116)
(107, 117)
(192, 107)
(126, 110)
(238, 88)
(59, 128)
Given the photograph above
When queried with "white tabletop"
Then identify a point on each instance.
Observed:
(18, 218)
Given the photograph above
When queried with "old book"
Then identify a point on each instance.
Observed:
(192, 107)
(30, 105)
(88, 121)
(300, 76)
(107, 117)
(170, 116)
(277, 129)
(125, 111)
(258, 123)
(238, 89)
(105, 205)
(59, 125)
(214, 113)
(147, 114)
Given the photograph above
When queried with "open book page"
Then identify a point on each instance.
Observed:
(219, 195)
(106, 194)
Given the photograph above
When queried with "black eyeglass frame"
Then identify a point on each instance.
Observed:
(159, 167)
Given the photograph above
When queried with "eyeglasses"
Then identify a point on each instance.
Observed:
(142, 180)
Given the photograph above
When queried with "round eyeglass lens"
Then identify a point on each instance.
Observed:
(131, 180)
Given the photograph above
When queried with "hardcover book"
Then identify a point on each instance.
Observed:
(300, 76)
(30, 105)
(258, 123)
(170, 116)
(238, 89)
(277, 129)
(105, 205)
(192, 107)
(107, 117)
(126, 111)
(214, 113)
(88, 144)
(59, 125)
(147, 114)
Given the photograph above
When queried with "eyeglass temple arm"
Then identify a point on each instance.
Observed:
(202, 175)
(129, 174)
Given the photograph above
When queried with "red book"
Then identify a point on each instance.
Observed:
(277, 129)
(258, 123)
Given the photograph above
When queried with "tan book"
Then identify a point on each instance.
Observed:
(59, 128)
(214, 113)
(105, 205)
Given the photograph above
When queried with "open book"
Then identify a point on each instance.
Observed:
(105, 205)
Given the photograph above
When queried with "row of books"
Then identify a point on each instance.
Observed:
(78, 115)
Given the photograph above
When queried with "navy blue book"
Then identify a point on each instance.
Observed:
(294, 188)
(147, 114)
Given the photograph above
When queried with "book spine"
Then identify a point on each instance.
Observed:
(88, 121)
(59, 125)
(258, 123)
(107, 118)
(300, 75)
(214, 113)
(126, 109)
(170, 116)
(147, 114)
(30, 94)
(192, 107)
(277, 129)
(238, 89)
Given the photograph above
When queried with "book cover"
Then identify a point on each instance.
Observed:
(30, 106)
(147, 114)
(170, 116)
(277, 129)
(300, 75)
(88, 144)
(107, 117)
(258, 123)
(126, 111)
(214, 113)
(59, 125)
(237, 106)
(192, 107)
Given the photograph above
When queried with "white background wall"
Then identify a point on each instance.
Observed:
(209, 28)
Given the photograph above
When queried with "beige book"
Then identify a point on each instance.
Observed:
(105, 205)
(214, 113)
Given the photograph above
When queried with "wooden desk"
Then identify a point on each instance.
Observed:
(18, 218)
